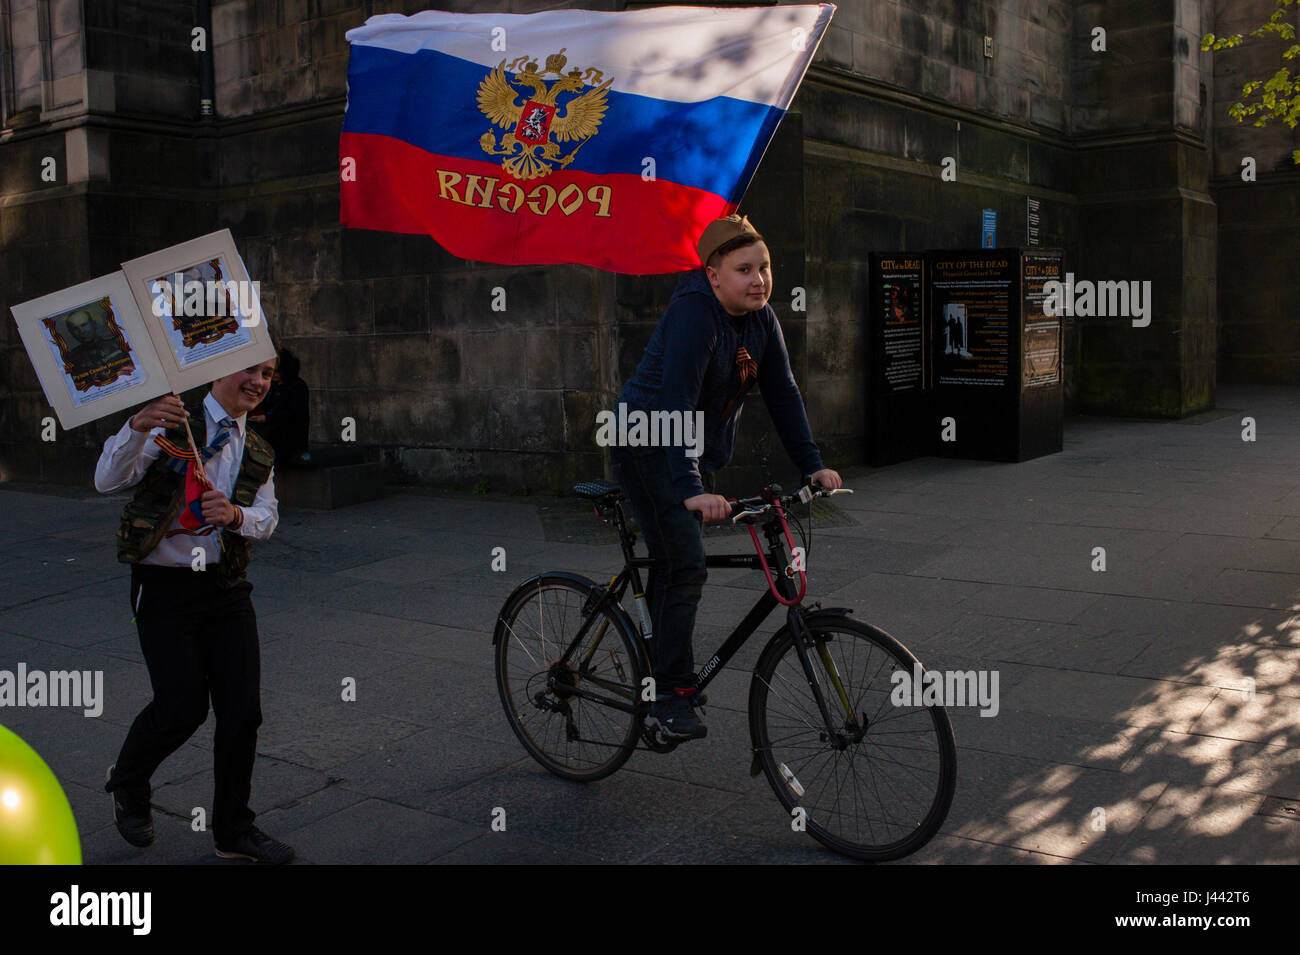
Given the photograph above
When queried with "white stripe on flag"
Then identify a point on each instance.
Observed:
(686, 54)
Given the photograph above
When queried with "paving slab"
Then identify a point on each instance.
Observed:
(623, 818)
(506, 848)
(1107, 697)
(1211, 826)
(1071, 811)
(375, 830)
(1205, 762)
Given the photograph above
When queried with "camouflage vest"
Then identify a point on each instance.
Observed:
(160, 495)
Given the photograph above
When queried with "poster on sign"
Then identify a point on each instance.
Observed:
(203, 313)
(169, 321)
(90, 349)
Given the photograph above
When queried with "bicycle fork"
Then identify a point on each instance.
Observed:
(802, 635)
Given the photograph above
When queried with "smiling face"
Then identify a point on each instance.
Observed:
(241, 392)
(742, 279)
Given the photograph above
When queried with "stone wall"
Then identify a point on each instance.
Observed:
(400, 336)
(1145, 209)
(935, 49)
(874, 154)
(1259, 221)
(115, 115)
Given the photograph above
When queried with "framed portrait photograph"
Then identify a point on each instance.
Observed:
(91, 349)
(202, 311)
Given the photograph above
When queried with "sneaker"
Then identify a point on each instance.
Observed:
(255, 844)
(674, 717)
(132, 813)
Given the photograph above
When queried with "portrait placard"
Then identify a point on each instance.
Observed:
(91, 349)
(202, 311)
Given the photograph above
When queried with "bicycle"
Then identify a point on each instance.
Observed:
(573, 671)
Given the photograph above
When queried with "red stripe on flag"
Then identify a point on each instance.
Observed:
(476, 210)
(191, 518)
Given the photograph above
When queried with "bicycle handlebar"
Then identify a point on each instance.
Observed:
(751, 507)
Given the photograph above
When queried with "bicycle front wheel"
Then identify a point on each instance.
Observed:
(574, 713)
(880, 785)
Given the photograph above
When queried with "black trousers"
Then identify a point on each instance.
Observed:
(675, 540)
(199, 642)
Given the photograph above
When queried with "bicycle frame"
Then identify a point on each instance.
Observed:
(780, 585)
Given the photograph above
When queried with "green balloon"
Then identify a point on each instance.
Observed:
(36, 823)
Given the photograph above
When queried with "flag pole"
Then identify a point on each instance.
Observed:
(199, 470)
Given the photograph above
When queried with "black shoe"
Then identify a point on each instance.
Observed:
(132, 813)
(256, 845)
(675, 719)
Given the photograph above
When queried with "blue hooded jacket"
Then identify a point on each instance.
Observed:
(690, 364)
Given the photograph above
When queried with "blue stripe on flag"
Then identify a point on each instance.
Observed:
(430, 100)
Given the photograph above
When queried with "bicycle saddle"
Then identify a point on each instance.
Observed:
(598, 491)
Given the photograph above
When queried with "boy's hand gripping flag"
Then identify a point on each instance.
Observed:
(189, 461)
(604, 139)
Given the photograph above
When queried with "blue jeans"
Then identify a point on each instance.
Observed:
(676, 542)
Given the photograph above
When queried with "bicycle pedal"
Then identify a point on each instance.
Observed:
(657, 741)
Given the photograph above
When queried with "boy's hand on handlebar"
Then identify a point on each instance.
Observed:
(828, 479)
(710, 507)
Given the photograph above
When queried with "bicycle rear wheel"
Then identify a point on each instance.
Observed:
(566, 714)
(881, 786)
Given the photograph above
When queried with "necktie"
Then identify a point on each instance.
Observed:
(225, 428)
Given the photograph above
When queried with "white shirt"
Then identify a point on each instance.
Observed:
(129, 453)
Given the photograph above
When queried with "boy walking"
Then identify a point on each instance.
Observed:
(197, 628)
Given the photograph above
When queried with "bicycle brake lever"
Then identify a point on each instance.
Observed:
(808, 492)
(750, 512)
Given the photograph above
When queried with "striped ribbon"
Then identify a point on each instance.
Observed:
(748, 372)
(180, 457)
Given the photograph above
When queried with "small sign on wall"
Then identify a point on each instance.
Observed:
(989, 230)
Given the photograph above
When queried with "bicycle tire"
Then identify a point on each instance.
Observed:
(787, 730)
(537, 622)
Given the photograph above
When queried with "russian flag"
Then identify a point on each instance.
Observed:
(603, 139)
(191, 517)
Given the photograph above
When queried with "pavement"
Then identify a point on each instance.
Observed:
(1147, 711)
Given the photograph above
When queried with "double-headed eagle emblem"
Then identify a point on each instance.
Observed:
(534, 122)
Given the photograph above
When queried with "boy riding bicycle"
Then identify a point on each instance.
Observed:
(717, 339)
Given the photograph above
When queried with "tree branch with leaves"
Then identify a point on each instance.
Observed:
(1276, 99)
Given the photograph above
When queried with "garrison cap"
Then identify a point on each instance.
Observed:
(720, 231)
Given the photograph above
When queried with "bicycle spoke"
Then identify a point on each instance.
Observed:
(572, 735)
(878, 784)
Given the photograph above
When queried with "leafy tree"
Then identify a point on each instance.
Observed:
(1272, 100)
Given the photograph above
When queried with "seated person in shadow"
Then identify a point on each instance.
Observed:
(282, 418)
